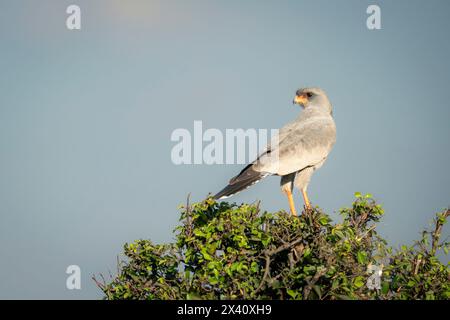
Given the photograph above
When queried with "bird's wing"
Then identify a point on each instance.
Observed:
(281, 135)
(250, 174)
(303, 144)
(298, 145)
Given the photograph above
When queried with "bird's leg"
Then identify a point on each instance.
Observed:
(291, 202)
(306, 199)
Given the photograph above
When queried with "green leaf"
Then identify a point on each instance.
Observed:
(361, 257)
(411, 283)
(199, 233)
(192, 296)
(205, 254)
(265, 241)
(306, 252)
(359, 282)
(323, 220)
(292, 293)
(385, 287)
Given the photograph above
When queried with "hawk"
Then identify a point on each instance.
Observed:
(300, 148)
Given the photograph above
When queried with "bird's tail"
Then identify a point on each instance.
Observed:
(243, 180)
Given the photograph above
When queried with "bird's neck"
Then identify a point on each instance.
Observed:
(309, 112)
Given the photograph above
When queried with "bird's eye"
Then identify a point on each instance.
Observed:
(309, 94)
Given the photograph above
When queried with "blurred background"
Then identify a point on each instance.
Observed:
(86, 118)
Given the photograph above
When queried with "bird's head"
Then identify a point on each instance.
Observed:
(313, 98)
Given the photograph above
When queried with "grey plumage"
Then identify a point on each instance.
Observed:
(300, 147)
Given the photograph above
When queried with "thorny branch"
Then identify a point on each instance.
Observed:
(436, 235)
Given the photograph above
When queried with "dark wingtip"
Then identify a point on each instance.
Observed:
(225, 192)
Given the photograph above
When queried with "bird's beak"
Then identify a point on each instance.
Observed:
(301, 100)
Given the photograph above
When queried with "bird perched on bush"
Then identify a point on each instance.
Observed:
(299, 148)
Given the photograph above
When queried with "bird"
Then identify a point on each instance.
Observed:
(296, 152)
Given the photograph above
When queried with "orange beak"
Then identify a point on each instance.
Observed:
(301, 99)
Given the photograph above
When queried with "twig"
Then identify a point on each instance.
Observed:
(437, 232)
(266, 274)
(188, 215)
(268, 254)
(283, 247)
(98, 283)
(417, 265)
(313, 281)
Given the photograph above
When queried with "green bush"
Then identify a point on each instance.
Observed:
(226, 251)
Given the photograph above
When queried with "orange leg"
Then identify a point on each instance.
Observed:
(291, 203)
(305, 198)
